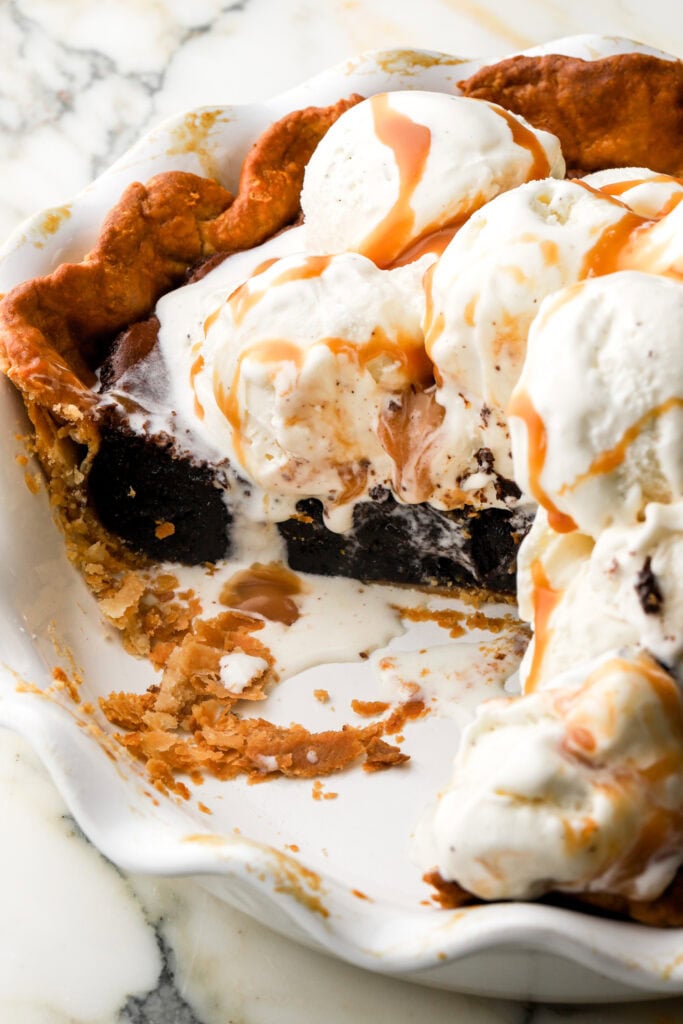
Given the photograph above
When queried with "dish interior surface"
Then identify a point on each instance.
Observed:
(331, 869)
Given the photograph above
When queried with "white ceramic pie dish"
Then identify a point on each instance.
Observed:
(345, 845)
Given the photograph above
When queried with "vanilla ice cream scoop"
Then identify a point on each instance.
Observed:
(639, 569)
(622, 590)
(402, 165)
(655, 244)
(188, 360)
(573, 606)
(657, 247)
(646, 192)
(597, 415)
(487, 286)
(306, 354)
(484, 293)
(578, 788)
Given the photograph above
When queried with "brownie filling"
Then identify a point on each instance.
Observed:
(411, 544)
(161, 502)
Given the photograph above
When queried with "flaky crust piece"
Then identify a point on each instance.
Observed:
(620, 111)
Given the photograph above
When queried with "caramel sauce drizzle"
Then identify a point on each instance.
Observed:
(550, 252)
(525, 138)
(545, 600)
(410, 144)
(577, 837)
(602, 193)
(433, 326)
(278, 350)
(620, 246)
(607, 255)
(197, 367)
(661, 827)
(264, 265)
(310, 267)
(211, 320)
(407, 429)
(659, 833)
(664, 687)
(245, 297)
(618, 188)
(433, 242)
(354, 477)
(608, 460)
(537, 440)
(470, 310)
(267, 590)
(405, 349)
(669, 206)
(660, 680)
(647, 253)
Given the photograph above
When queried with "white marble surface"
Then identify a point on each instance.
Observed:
(79, 81)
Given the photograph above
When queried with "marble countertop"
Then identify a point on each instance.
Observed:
(82, 943)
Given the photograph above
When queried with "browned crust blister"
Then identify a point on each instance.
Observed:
(619, 111)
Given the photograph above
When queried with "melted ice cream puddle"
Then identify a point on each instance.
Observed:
(338, 618)
(453, 679)
(342, 620)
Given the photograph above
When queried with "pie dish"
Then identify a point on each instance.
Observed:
(438, 73)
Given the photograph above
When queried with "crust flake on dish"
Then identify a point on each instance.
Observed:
(188, 723)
